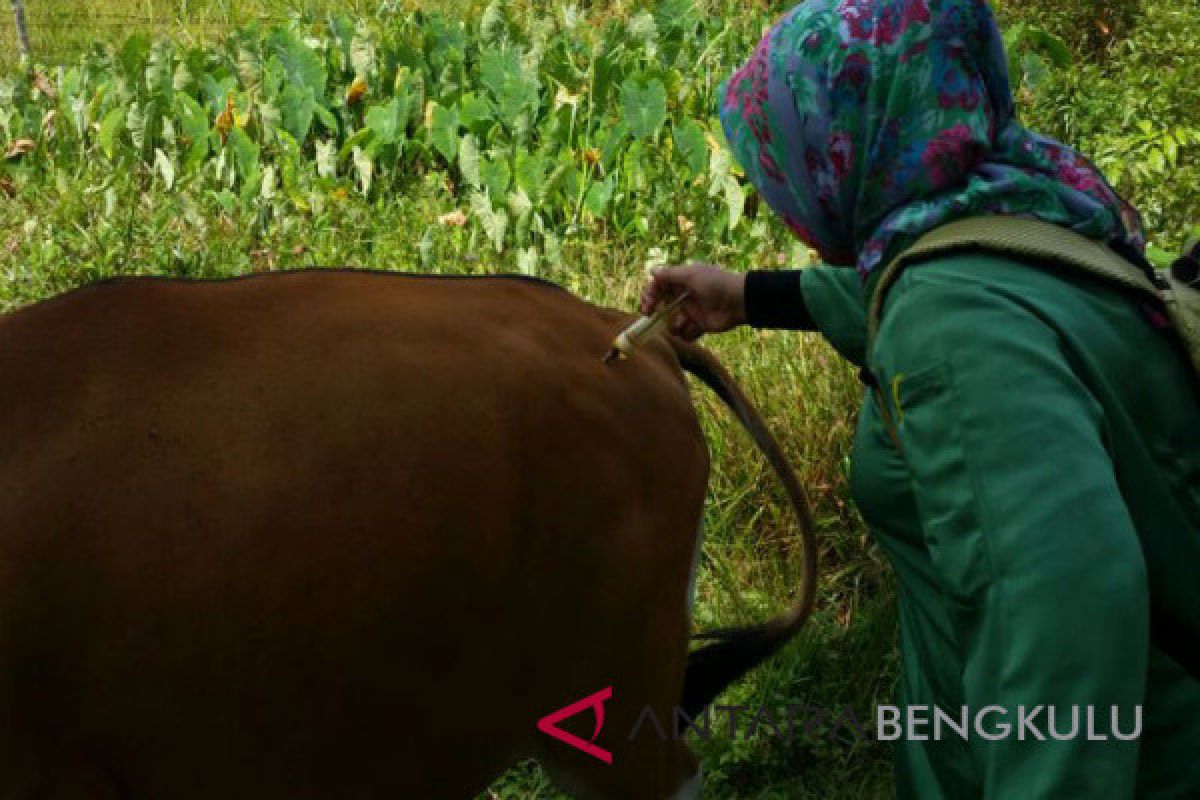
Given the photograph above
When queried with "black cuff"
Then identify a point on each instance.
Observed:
(774, 299)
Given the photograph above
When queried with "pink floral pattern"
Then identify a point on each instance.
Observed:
(865, 123)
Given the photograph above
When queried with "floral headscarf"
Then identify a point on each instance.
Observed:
(865, 123)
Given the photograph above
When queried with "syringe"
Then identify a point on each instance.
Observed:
(636, 334)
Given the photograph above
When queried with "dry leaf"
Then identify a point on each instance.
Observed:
(48, 121)
(225, 119)
(262, 260)
(455, 218)
(45, 86)
(8, 187)
(565, 98)
(686, 226)
(356, 92)
(19, 148)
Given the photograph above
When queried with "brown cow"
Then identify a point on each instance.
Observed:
(341, 534)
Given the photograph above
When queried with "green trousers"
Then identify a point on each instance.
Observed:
(1038, 494)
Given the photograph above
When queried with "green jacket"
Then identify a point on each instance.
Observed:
(1038, 495)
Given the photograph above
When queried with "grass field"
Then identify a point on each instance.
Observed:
(515, 141)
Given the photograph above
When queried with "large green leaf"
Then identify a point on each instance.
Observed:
(494, 222)
(475, 113)
(445, 42)
(513, 91)
(599, 195)
(110, 129)
(614, 141)
(138, 120)
(643, 106)
(443, 130)
(303, 66)
(642, 28)
(217, 91)
(495, 176)
(342, 26)
(531, 173)
(493, 25)
(297, 105)
(274, 78)
(160, 71)
(133, 56)
(692, 146)
(468, 161)
(245, 153)
(194, 126)
(672, 14)
(188, 71)
(389, 121)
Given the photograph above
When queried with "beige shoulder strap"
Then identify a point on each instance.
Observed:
(1017, 236)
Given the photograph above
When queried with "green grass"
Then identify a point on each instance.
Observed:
(61, 30)
(79, 214)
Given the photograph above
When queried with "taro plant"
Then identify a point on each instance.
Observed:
(534, 132)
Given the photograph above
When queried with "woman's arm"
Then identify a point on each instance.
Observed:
(827, 299)
(775, 299)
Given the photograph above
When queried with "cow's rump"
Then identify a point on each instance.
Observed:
(331, 533)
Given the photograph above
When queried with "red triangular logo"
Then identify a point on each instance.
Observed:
(549, 724)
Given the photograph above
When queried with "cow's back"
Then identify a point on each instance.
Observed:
(269, 533)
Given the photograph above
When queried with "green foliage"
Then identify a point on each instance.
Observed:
(644, 107)
(1136, 112)
(1090, 27)
(1033, 52)
(338, 104)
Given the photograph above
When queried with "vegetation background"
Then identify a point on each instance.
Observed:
(577, 142)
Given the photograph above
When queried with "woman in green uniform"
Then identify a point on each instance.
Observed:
(1028, 449)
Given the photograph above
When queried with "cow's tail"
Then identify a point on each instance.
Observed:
(732, 652)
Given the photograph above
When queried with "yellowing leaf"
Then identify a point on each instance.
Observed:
(225, 119)
(44, 86)
(356, 92)
(19, 148)
(165, 167)
(565, 98)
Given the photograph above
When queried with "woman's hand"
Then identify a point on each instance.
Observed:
(716, 303)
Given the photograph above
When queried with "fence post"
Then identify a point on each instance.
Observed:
(18, 7)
